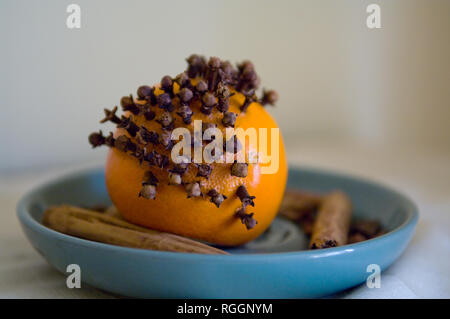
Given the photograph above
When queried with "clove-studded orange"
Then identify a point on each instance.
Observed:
(201, 201)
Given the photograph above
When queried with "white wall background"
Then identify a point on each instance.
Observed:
(336, 78)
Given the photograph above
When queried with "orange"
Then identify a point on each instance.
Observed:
(198, 218)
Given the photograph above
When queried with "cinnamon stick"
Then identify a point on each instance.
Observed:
(108, 229)
(297, 203)
(332, 223)
(301, 208)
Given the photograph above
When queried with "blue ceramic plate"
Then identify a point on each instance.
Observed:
(273, 266)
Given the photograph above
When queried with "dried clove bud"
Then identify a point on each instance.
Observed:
(185, 95)
(124, 144)
(145, 136)
(246, 219)
(244, 196)
(96, 139)
(245, 66)
(166, 121)
(165, 102)
(248, 79)
(204, 170)
(196, 65)
(229, 119)
(165, 139)
(174, 178)
(223, 93)
(183, 80)
(167, 85)
(131, 147)
(139, 154)
(128, 124)
(127, 103)
(144, 92)
(151, 97)
(193, 189)
(156, 159)
(216, 197)
(239, 169)
(212, 75)
(214, 63)
(209, 100)
(223, 104)
(111, 116)
(185, 113)
(148, 191)
(149, 115)
(149, 184)
(201, 87)
(151, 157)
(226, 73)
(249, 221)
(179, 169)
(206, 110)
(269, 97)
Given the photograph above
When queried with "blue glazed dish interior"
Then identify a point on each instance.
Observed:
(276, 265)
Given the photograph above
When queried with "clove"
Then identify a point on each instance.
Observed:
(185, 95)
(239, 169)
(246, 219)
(229, 119)
(127, 103)
(193, 189)
(124, 144)
(174, 178)
(111, 116)
(96, 139)
(183, 80)
(145, 136)
(165, 102)
(216, 197)
(149, 184)
(144, 92)
(166, 121)
(212, 75)
(165, 139)
(196, 66)
(128, 124)
(185, 113)
(245, 197)
(204, 170)
(269, 97)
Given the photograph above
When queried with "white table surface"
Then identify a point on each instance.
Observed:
(423, 173)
